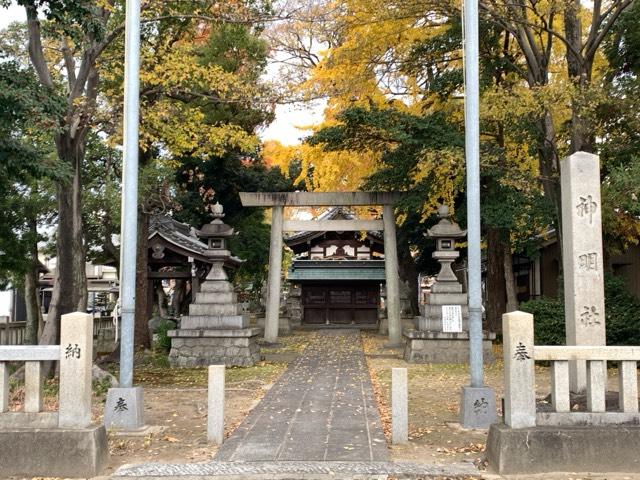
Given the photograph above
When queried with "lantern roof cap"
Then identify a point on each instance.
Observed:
(216, 228)
(445, 228)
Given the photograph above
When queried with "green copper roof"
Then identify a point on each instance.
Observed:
(329, 270)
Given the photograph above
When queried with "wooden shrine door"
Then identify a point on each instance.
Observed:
(340, 304)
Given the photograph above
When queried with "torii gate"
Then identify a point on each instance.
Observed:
(278, 200)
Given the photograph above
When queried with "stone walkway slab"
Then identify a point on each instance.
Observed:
(321, 408)
(300, 470)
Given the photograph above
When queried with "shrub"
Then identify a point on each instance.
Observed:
(622, 316)
(548, 320)
(163, 341)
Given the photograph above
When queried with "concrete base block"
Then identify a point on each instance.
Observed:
(124, 409)
(603, 449)
(58, 452)
(477, 407)
(443, 347)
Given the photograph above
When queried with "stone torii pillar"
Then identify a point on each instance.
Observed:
(392, 276)
(273, 283)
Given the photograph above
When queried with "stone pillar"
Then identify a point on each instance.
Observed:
(399, 406)
(33, 381)
(628, 386)
(4, 388)
(275, 266)
(519, 373)
(215, 408)
(392, 277)
(76, 359)
(582, 258)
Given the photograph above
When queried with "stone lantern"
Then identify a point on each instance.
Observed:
(445, 232)
(442, 335)
(216, 330)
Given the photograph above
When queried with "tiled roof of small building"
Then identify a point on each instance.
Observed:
(178, 233)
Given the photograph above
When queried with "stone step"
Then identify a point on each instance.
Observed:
(216, 297)
(300, 470)
(216, 286)
(214, 309)
(212, 322)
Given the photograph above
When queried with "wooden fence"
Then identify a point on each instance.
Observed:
(13, 333)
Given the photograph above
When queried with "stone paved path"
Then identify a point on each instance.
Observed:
(322, 408)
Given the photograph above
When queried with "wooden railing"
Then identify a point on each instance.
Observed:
(520, 355)
(75, 354)
(12, 333)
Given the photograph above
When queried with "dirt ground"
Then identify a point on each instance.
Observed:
(176, 402)
(175, 405)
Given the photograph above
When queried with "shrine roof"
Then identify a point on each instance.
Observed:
(334, 213)
(180, 234)
(310, 270)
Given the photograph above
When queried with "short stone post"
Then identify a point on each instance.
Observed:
(76, 359)
(519, 379)
(628, 386)
(582, 257)
(215, 409)
(560, 386)
(33, 387)
(596, 385)
(399, 406)
(4, 387)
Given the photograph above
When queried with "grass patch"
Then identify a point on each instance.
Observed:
(159, 376)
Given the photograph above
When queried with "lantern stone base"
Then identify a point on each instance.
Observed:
(196, 348)
(443, 347)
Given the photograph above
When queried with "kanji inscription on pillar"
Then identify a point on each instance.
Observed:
(582, 257)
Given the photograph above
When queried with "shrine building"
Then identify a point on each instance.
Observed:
(339, 273)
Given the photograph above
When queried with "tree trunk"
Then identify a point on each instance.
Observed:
(579, 72)
(549, 162)
(408, 273)
(510, 280)
(70, 282)
(496, 291)
(31, 297)
(141, 335)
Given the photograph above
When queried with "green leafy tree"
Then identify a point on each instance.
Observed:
(27, 111)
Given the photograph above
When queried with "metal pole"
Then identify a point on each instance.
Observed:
(472, 150)
(129, 217)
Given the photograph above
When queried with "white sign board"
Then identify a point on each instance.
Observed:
(451, 318)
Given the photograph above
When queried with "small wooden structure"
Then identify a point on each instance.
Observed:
(176, 252)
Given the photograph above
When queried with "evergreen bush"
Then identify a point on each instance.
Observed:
(622, 316)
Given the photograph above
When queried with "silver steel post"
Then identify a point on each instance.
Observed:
(472, 149)
(129, 214)
(478, 402)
